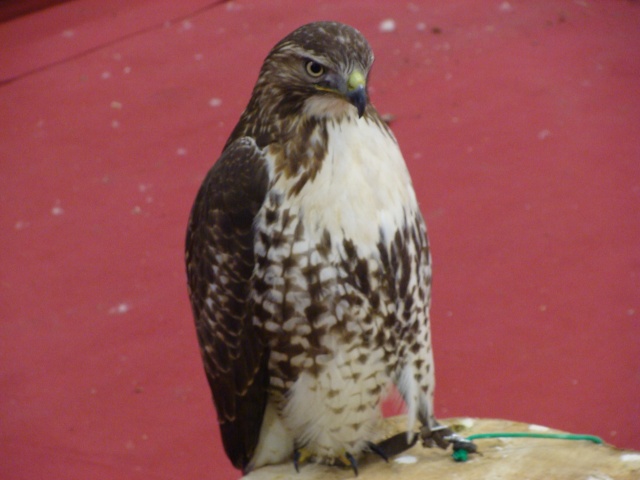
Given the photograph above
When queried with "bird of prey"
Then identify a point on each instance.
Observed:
(308, 266)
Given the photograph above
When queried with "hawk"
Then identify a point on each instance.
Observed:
(308, 266)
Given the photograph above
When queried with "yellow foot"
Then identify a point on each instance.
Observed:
(303, 455)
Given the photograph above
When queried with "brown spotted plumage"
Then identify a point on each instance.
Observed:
(308, 264)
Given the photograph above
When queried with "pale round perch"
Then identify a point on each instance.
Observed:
(501, 458)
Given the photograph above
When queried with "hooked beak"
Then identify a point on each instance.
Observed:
(356, 91)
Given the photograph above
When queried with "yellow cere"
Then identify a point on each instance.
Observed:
(356, 79)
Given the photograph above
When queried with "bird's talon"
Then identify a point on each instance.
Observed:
(300, 456)
(375, 448)
(352, 462)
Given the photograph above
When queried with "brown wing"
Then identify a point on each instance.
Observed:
(220, 262)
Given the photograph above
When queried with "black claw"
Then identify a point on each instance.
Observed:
(375, 448)
(296, 459)
(353, 462)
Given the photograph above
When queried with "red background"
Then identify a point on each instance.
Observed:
(519, 121)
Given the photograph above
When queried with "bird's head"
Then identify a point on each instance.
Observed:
(320, 69)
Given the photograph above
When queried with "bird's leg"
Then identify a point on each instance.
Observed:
(443, 437)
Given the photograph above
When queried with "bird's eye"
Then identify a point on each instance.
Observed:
(314, 68)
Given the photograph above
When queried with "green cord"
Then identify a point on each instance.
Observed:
(559, 436)
(461, 455)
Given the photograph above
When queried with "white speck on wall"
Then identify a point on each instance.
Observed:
(21, 225)
(68, 33)
(119, 309)
(117, 56)
(215, 102)
(106, 75)
(406, 460)
(181, 151)
(115, 124)
(388, 25)
(538, 428)
(198, 57)
(233, 7)
(57, 210)
(186, 25)
(126, 70)
(542, 134)
(421, 26)
(505, 7)
(115, 105)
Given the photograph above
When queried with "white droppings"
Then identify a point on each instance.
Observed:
(181, 151)
(630, 457)
(387, 25)
(106, 75)
(538, 428)
(599, 476)
(119, 309)
(542, 134)
(505, 7)
(215, 102)
(466, 422)
(406, 460)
